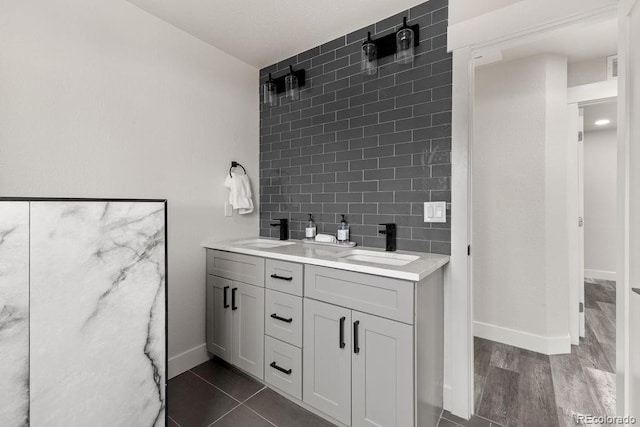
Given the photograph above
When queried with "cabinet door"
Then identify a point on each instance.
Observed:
(326, 381)
(248, 328)
(382, 380)
(219, 325)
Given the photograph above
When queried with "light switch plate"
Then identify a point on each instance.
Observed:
(435, 212)
(228, 209)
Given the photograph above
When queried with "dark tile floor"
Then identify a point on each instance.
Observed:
(216, 394)
(516, 387)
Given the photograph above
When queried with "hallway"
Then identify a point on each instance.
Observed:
(517, 387)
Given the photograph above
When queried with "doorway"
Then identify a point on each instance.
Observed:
(530, 365)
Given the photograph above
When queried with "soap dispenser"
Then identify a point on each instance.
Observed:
(310, 230)
(343, 231)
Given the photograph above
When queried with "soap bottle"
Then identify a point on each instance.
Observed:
(310, 230)
(343, 231)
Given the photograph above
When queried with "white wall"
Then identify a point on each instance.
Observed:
(101, 99)
(478, 22)
(520, 250)
(462, 10)
(589, 71)
(556, 208)
(600, 186)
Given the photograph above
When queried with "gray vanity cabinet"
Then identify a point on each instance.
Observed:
(235, 310)
(283, 326)
(358, 366)
(359, 349)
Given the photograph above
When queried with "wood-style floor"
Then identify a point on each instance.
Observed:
(516, 387)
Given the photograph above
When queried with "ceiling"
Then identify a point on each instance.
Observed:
(577, 42)
(262, 32)
(602, 110)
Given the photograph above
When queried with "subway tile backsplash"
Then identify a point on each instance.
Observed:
(374, 148)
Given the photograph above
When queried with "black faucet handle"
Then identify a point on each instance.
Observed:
(388, 227)
(282, 221)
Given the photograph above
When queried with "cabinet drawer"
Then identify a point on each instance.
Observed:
(284, 276)
(288, 358)
(382, 296)
(243, 268)
(283, 317)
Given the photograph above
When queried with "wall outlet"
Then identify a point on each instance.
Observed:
(228, 209)
(435, 212)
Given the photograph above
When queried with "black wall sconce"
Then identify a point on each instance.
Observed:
(402, 44)
(290, 83)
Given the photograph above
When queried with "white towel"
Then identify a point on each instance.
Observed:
(239, 192)
(326, 238)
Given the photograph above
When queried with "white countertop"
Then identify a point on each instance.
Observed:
(327, 256)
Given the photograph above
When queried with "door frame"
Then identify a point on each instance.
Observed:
(574, 178)
(624, 166)
(468, 41)
(581, 96)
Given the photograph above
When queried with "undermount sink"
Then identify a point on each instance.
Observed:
(264, 243)
(387, 258)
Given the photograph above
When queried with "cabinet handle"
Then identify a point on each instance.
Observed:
(233, 299)
(275, 316)
(226, 303)
(288, 279)
(356, 346)
(274, 366)
(341, 343)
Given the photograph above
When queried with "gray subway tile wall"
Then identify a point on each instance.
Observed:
(374, 148)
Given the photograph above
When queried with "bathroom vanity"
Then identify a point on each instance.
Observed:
(354, 335)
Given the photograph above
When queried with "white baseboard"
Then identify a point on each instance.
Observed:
(600, 274)
(186, 360)
(446, 397)
(526, 340)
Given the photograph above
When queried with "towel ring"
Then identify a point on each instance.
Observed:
(236, 164)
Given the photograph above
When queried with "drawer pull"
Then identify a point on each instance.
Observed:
(225, 304)
(356, 345)
(275, 316)
(275, 276)
(341, 343)
(233, 299)
(285, 371)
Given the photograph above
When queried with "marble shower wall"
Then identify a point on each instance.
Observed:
(97, 314)
(14, 313)
(89, 278)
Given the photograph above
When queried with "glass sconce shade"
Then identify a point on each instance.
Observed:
(291, 87)
(369, 57)
(404, 45)
(269, 93)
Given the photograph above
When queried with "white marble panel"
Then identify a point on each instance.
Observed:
(98, 347)
(14, 313)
